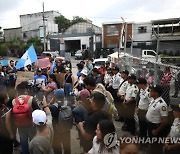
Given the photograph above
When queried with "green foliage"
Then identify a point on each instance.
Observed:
(64, 23)
(77, 19)
(3, 49)
(36, 43)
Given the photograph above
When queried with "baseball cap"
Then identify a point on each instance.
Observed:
(125, 72)
(132, 76)
(59, 93)
(39, 117)
(157, 88)
(141, 81)
(39, 70)
(84, 94)
(84, 71)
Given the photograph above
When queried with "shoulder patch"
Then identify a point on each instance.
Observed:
(160, 101)
(163, 108)
(135, 91)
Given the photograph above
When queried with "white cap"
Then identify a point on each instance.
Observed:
(39, 117)
(84, 71)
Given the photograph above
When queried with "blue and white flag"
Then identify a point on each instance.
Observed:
(29, 57)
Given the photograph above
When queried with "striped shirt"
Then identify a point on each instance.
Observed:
(166, 79)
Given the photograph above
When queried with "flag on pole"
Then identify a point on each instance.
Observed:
(29, 57)
(123, 36)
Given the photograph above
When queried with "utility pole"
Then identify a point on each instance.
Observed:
(157, 52)
(44, 29)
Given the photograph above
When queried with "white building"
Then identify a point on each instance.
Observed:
(79, 36)
(142, 33)
(32, 24)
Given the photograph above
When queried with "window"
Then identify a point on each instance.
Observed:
(142, 29)
(151, 53)
(112, 30)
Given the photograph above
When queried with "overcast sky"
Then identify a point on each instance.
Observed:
(99, 11)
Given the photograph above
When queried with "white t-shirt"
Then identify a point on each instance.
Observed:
(96, 146)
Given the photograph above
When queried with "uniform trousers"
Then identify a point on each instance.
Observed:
(129, 117)
(156, 147)
(142, 123)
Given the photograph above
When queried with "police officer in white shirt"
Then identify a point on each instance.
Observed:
(116, 81)
(174, 148)
(130, 103)
(121, 93)
(142, 105)
(157, 117)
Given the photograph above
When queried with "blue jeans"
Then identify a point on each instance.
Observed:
(80, 113)
(26, 134)
(67, 89)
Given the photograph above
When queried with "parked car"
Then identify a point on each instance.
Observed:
(98, 62)
(78, 54)
(51, 54)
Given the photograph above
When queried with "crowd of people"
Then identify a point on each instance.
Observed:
(43, 110)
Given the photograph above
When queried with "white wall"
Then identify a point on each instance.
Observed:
(32, 22)
(142, 36)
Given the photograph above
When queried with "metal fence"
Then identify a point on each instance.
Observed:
(154, 73)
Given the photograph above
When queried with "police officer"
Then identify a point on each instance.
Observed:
(130, 103)
(142, 105)
(116, 81)
(174, 148)
(121, 93)
(157, 117)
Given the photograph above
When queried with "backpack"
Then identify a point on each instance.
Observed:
(65, 119)
(22, 112)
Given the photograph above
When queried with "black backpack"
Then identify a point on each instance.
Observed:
(65, 119)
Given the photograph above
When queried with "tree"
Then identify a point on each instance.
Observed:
(3, 49)
(63, 23)
(77, 19)
(36, 43)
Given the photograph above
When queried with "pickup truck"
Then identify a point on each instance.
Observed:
(149, 56)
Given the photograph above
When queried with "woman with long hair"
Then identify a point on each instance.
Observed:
(104, 132)
(50, 88)
(68, 82)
